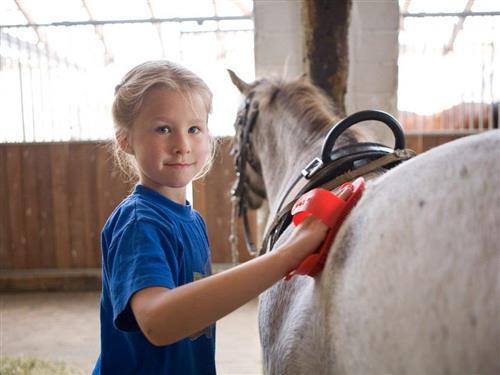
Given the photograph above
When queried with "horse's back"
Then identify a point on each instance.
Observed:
(415, 271)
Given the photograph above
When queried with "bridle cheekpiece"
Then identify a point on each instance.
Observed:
(244, 155)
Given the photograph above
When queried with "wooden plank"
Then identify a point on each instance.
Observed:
(59, 157)
(46, 212)
(424, 142)
(200, 197)
(78, 209)
(414, 142)
(31, 210)
(111, 185)
(16, 206)
(92, 250)
(6, 261)
(213, 201)
(103, 186)
(103, 192)
(430, 141)
(445, 138)
(49, 280)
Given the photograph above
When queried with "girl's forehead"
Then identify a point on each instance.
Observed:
(161, 99)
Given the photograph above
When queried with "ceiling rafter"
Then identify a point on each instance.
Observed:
(221, 51)
(457, 28)
(158, 28)
(42, 38)
(244, 9)
(406, 6)
(108, 55)
(404, 9)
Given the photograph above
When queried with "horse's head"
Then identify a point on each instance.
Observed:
(276, 113)
(282, 127)
(250, 184)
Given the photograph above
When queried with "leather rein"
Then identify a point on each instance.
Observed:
(332, 169)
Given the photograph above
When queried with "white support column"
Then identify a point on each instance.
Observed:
(279, 38)
(373, 60)
(373, 51)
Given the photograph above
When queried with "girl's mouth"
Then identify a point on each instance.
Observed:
(179, 165)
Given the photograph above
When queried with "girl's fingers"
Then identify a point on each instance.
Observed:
(312, 220)
(345, 192)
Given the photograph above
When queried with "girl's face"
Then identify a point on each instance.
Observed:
(170, 141)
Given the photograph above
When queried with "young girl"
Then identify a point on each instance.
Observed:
(159, 301)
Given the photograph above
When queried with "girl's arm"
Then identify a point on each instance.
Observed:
(168, 315)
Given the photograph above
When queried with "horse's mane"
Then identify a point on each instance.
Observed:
(307, 103)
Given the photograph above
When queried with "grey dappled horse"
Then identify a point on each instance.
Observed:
(412, 282)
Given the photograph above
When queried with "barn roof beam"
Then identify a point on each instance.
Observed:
(221, 51)
(108, 56)
(403, 10)
(244, 9)
(457, 28)
(406, 6)
(158, 28)
(40, 34)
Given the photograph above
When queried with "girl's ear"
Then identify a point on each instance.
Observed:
(122, 137)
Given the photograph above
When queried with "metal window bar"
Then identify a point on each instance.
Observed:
(198, 20)
(477, 109)
(48, 110)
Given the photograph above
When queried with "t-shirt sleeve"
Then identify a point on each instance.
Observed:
(143, 256)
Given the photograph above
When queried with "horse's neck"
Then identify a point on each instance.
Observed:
(286, 149)
(283, 158)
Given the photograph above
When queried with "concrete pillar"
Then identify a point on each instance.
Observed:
(279, 38)
(373, 60)
(373, 51)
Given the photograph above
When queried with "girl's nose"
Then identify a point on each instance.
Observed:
(181, 145)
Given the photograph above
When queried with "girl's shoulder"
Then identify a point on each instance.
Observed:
(133, 215)
(135, 208)
(149, 208)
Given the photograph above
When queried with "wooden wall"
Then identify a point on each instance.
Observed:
(212, 198)
(55, 198)
(423, 142)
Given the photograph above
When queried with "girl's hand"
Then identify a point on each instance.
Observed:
(308, 235)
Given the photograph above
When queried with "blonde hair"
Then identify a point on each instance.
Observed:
(129, 96)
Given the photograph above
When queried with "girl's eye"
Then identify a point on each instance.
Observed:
(194, 130)
(163, 129)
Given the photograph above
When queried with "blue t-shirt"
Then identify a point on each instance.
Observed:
(150, 240)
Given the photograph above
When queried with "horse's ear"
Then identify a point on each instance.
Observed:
(238, 82)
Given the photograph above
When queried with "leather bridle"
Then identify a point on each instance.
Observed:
(335, 167)
(244, 156)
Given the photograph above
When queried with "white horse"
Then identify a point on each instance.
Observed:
(412, 282)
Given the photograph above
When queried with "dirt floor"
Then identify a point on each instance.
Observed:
(65, 327)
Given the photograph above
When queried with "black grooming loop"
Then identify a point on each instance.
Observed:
(327, 153)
